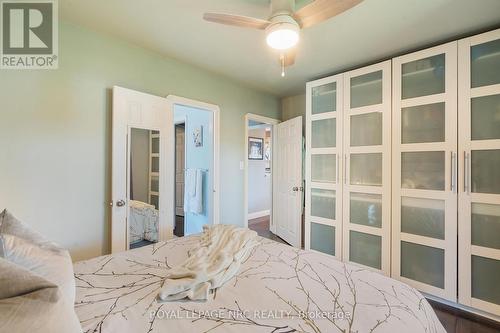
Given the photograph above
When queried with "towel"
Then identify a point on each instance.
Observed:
(193, 195)
(217, 258)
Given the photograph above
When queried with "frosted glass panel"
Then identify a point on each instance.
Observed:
(323, 203)
(485, 64)
(423, 170)
(366, 169)
(423, 123)
(366, 89)
(155, 165)
(365, 249)
(423, 77)
(155, 187)
(323, 168)
(485, 279)
(366, 209)
(323, 133)
(485, 225)
(366, 129)
(323, 238)
(155, 145)
(485, 171)
(485, 117)
(154, 200)
(424, 217)
(324, 98)
(422, 263)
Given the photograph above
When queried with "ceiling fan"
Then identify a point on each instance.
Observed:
(284, 24)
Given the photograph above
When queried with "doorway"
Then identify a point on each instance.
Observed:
(180, 165)
(259, 175)
(196, 147)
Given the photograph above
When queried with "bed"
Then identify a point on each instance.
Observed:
(278, 289)
(143, 222)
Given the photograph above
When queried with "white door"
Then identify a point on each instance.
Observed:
(366, 192)
(323, 201)
(479, 175)
(132, 109)
(179, 170)
(287, 212)
(424, 213)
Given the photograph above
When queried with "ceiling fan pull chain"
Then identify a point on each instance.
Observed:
(282, 60)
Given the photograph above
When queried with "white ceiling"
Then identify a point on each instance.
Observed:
(373, 30)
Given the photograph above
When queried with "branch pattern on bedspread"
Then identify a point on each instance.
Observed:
(278, 289)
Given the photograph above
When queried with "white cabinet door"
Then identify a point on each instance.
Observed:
(367, 166)
(133, 109)
(288, 195)
(424, 214)
(323, 197)
(479, 181)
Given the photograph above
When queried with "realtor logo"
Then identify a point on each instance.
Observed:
(29, 38)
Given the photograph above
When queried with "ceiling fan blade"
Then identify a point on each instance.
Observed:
(290, 57)
(236, 20)
(321, 10)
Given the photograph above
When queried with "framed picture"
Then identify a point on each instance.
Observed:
(198, 136)
(255, 148)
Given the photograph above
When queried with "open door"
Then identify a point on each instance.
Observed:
(288, 188)
(132, 112)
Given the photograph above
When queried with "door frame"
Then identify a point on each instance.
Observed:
(173, 100)
(272, 122)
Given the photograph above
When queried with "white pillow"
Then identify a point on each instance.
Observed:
(54, 266)
(29, 303)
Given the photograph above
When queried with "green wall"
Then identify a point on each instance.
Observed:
(55, 128)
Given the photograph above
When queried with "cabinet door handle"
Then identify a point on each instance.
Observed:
(453, 171)
(466, 172)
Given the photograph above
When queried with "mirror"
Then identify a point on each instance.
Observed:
(144, 191)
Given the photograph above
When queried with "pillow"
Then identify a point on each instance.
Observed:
(29, 303)
(54, 266)
(9, 224)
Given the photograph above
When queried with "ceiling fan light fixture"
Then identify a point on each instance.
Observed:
(283, 35)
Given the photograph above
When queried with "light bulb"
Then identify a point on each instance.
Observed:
(282, 39)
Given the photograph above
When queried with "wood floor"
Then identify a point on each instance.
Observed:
(453, 320)
(261, 226)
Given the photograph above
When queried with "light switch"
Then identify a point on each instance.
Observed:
(242, 165)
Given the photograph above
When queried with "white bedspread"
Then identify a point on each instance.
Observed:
(143, 222)
(277, 289)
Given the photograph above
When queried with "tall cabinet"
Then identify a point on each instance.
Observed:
(403, 169)
(479, 188)
(424, 155)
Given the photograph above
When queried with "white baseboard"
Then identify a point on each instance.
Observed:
(256, 215)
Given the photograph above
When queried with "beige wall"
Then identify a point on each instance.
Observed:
(294, 106)
(55, 130)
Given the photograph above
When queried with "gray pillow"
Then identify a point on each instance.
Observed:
(10, 225)
(29, 303)
(27, 248)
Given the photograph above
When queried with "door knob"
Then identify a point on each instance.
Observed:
(295, 189)
(120, 203)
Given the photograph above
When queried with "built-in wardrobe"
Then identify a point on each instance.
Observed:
(403, 169)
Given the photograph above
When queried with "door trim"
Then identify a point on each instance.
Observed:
(178, 100)
(269, 121)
